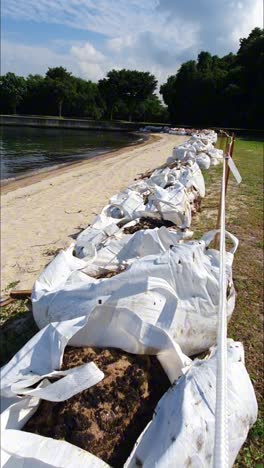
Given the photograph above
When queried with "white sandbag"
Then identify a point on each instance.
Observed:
(119, 211)
(184, 152)
(216, 153)
(215, 162)
(120, 252)
(179, 290)
(40, 358)
(36, 363)
(127, 203)
(171, 204)
(181, 432)
(159, 177)
(93, 237)
(203, 160)
(24, 450)
(191, 176)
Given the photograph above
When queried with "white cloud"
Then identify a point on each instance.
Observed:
(82, 60)
(102, 16)
(148, 35)
(24, 59)
(91, 62)
(250, 17)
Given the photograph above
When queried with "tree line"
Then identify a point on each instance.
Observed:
(227, 91)
(214, 91)
(123, 94)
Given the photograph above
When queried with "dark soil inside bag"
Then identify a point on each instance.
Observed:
(197, 205)
(106, 419)
(108, 274)
(148, 223)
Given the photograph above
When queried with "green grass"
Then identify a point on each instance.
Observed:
(12, 285)
(17, 327)
(244, 218)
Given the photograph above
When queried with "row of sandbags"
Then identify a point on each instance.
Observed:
(169, 194)
(163, 301)
(199, 148)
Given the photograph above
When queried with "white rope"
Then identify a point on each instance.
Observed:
(221, 424)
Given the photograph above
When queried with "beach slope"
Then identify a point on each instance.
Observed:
(43, 213)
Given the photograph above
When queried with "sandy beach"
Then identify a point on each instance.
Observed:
(43, 213)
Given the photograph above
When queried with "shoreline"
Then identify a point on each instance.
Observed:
(24, 180)
(44, 213)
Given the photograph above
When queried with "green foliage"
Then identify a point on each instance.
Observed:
(151, 110)
(123, 94)
(12, 90)
(85, 100)
(216, 91)
(227, 91)
(129, 88)
(60, 86)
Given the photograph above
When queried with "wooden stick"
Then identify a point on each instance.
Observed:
(228, 151)
(20, 294)
(231, 155)
(6, 301)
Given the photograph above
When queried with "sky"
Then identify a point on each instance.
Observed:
(91, 37)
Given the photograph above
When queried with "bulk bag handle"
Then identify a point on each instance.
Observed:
(210, 235)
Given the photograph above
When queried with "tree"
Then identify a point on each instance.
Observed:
(109, 92)
(250, 58)
(85, 101)
(227, 91)
(154, 111)
(13, 89)
(60, 85)
(130, 86)
(35, 100)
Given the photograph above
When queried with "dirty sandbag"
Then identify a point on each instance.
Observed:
(178, 152)
(25, 450)
(216, 153)
(203, 160)
(111, 311)
(159, 177)
(128, 202)
(39, 360)
(121, 209)
(120, 252)
(91, 238)
(183, 152)
(179, 290)
(200, 147)
(182, 430)
(40, 355)
(191, 176)
(171, 204)
(140, 186)
(36, 363)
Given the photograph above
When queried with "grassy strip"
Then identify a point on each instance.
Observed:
(244, 220)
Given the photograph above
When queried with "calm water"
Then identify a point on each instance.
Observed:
(24, 150)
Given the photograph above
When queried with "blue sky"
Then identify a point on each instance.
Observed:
(91, 37)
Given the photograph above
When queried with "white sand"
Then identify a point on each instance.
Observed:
(40, 218)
